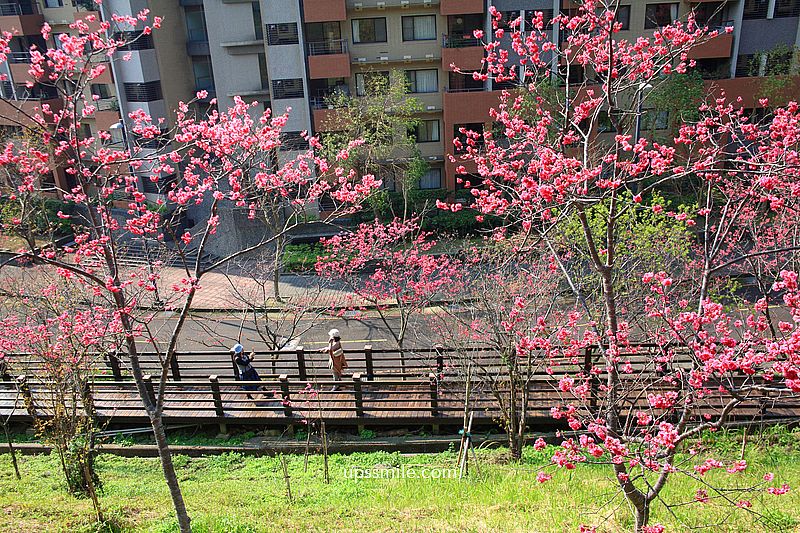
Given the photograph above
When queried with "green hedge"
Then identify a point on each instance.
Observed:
(301, 257)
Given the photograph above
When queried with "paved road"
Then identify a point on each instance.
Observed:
(220, 331)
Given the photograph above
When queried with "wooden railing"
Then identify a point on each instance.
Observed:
(418, 387)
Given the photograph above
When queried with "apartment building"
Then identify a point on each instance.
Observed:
(292, 54)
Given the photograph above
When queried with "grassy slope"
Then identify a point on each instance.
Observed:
(235, 494)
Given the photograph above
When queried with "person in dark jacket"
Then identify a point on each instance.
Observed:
(244, 364)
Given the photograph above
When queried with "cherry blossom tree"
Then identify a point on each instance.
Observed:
(502, 331)
(220, 163)
(640, 411)
(390, 267)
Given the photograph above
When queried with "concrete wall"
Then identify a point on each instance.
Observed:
(234, 72)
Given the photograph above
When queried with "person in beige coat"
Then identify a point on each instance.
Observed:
(336, 360)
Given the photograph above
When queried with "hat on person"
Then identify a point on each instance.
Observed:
(334, 333)
(237, 348)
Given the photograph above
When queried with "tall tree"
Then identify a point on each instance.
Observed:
(634, 409)
(218, 160)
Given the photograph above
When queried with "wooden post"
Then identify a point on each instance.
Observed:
(301, 364)
(174, 367)
(368, 361)
(148, 384)
(439, 359)
(359, 397)
(113, 362)
(219, 409)
(434, 395)
(287, 405)
(27, 396)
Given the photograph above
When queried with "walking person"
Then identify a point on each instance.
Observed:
(244, 364)
(336, 360)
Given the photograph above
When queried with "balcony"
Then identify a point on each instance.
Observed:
(460, 7)
(385, 59)
(324, 10)
(328, 59)
(714, 48)
(464, 52)
(17, 112)
(252, 45)
(106, 118)
(326, 120)
(20, 17)
(358, 5)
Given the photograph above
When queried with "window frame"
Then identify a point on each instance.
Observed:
(429, 139)
(438, 170)
(359, 41)
(651, 24)
(413, 28)
(412, 89)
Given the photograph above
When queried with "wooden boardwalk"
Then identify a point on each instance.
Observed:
(421, 387)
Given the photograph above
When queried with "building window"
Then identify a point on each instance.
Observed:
(426, 131)
(136, 40)
(658, 15)
(510, 20)
(755, 9)
(623, 17)
(653, 119)
(322, 31)
(432, 179)
(474, 139)
(293, 140)
(196, 24)
(203, 75)
(162, 186)
(258, 26)
(285, 89)
(530, 19)
(419, 28)
(423, 81)
(369, 30)
(787, 8)
(604, 124)
(101, 90)
(143, 92)
(278, 34)
(54, 3)
(371, 80)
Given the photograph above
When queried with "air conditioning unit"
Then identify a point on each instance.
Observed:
(384, 58)
(407, 59)
(431, 108)
(427, 3)
(381, 5)
(429, 56)
(361, 59)
(404, 4)
(358, 6)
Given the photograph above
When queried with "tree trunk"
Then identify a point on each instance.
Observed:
(276, 275)
(11, 450)
(169, 473)
(642, 516)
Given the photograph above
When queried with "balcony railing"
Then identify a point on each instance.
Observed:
(464, 89)
(108, 104)
(19, 57)
(329, 47)
(452, 41)
(9, 9)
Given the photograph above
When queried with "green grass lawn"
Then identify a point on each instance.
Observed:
(231, 493)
